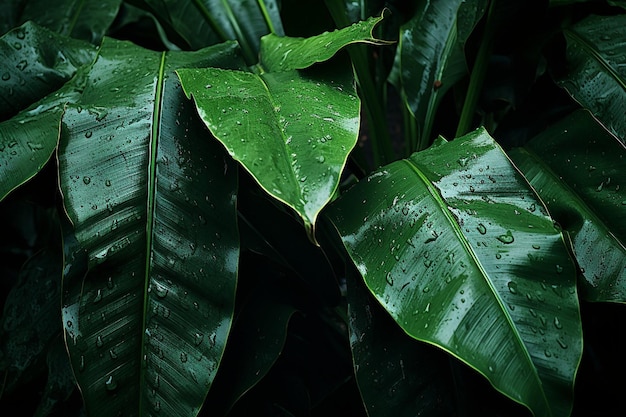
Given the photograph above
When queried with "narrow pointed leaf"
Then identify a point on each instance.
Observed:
(86, 19)
(282, 53)
(291, 130)
(206, 22)
(35, 62)
(430, 58)
(151, 199)
(578, 170)
(454, 244)
(596, 77)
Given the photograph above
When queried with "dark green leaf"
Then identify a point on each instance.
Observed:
(151, 199)
(596, 75)
(291, 130)
(578, 169)
(454, 244)
(34, 62)
(430, 58)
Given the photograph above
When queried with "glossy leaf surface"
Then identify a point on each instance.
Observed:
(34, 62)
(281, 53)
(596, 75)
(430, 58)
(578, 170)
(206, 22)
(456, 247)
(291, 130)
(151, 199)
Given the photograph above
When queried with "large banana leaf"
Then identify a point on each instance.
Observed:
(292, 130)
(430, 58)
(206, 22)
(578, 168)
(596, 77)
(456, 247)
(151, 199)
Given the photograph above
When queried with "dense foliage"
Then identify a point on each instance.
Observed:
(304, 208)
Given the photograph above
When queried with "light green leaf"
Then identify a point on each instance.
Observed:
(596, 75)
(206, 22)
(430, 58)
(291, 130)
(34, 62)
(281, 53)
(454, 244)
(152, 202)
(578, 169)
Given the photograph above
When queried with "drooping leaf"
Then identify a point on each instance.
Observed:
(282, 53)
(291, 130)
(151, 199)
(430, 58)
(87, 19)
(206, 22)
(34, 62)
(596, 75)
(578, 168)
(454, 244)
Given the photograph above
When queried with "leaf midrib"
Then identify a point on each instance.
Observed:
(441, 204)
(150, 215)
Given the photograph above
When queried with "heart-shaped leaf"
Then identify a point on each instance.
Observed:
(455, 245)
(152, 201)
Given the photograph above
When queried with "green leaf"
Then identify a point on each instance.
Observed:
(596, 77)
(430, 58)
(34, 62)
(577, 168)
(291, 130)
(282, 53)
(454, 244)
(87, 19)
(152, 202)
(206, 22)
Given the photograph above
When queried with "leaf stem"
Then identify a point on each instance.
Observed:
(478, 74)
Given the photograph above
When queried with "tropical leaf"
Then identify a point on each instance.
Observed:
(151, 199)
(35, 62)
(206, 22)
(281, 53)
(430, 58)
(577, 168)
(596, 77)
(87, 19)
(456, 247)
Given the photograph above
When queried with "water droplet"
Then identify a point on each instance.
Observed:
(107, 183)
(481, 229)
(557, 323)
(183, 357)
(6, 76)
(425, 290)
(303, 178)
(547, 353)
(161, 292)
(81, 366)
(600, 187)
(22, 65)
(462, 161)
(507, 238)
(512, 287)
(88, 134)
(86, 180)
(99, 341)
(389, 278)
(559, 269)
(157, 406)
(112, 354)
(321, 159)
(498, 256)
(198, 338)
(110, 383)
(536, 247)
(34, 146)
(561, 343)
(98, 296)
(208, 86)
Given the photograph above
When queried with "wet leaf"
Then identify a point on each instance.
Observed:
(577, 169)
(458, 249)
(152, 201)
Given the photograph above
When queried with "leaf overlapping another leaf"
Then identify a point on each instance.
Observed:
(455, 246)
